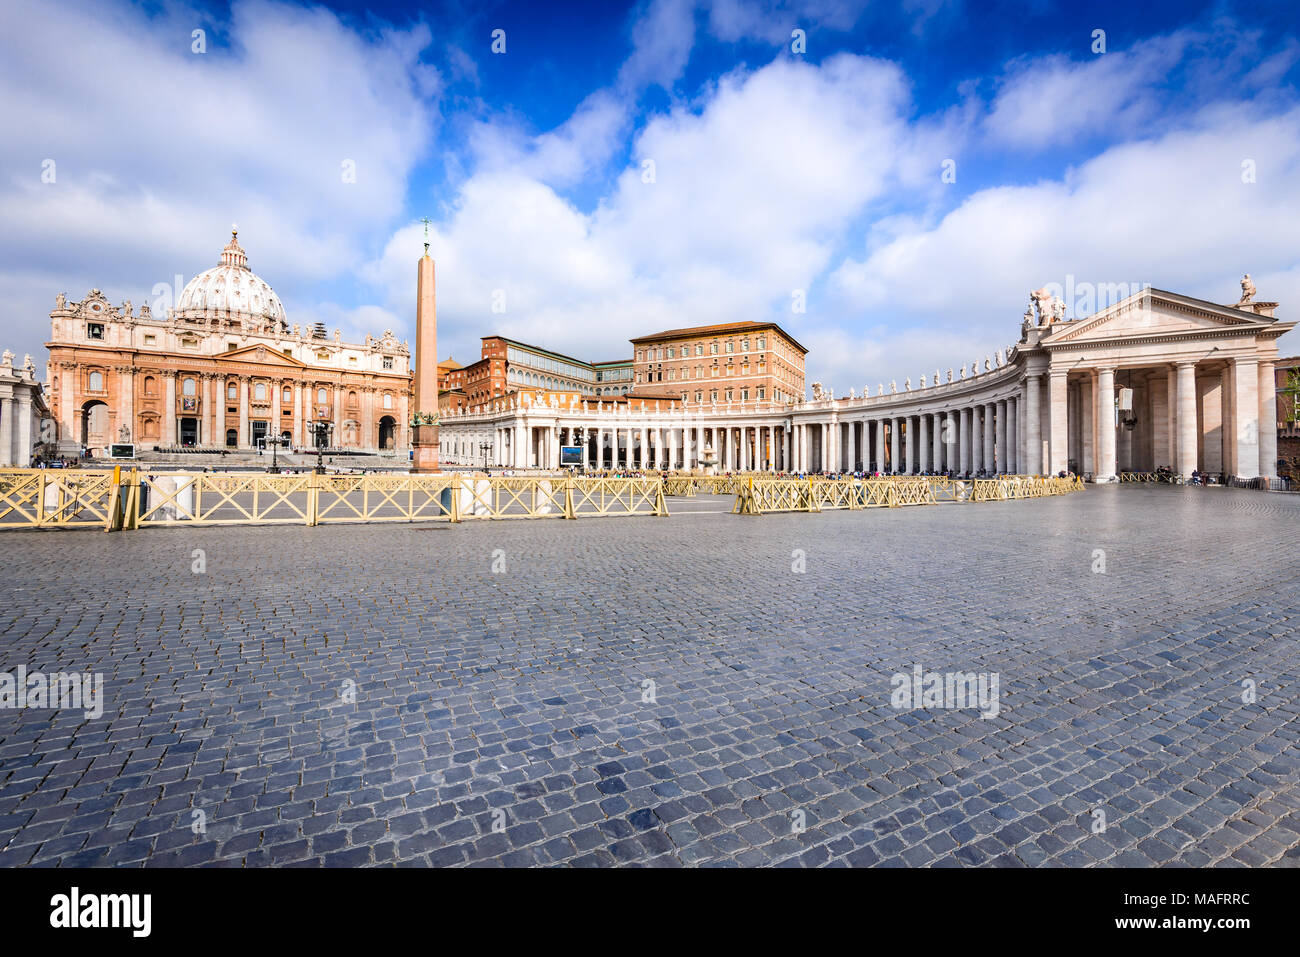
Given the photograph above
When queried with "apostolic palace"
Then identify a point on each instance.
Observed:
(1154, 380)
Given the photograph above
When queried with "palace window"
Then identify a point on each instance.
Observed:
(189, 343)
(323, 356)
(699, 348)
(699, 395)
(713, 395)
(150, 384)
(287, 394)
(670, 352)
(322, 396)
(232, 391)
(96, 383)
(744, 345)
(762, 343)
(761, 392)
(713, 348)
(744, 395)
(259, 391)
(189, 387)
(150, 340)
(731, 346)
(728, 395)
(388, 362)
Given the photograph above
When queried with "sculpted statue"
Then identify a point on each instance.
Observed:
(936, 376)
(893, 386)
(124, 434)
(962, 373)
(1038, 300)
(127, 308)
(923, 380)
(6, 358)
(28, 365)
(988, 364)
(907, 384)
(60, 301)
(1247, 289)
(997, 358)
(950, 373)
(880, 388)
(1057, 306)
(853, 393)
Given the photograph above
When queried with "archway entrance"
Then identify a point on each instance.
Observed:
(387, 433)
(94, 425)
(189, 432)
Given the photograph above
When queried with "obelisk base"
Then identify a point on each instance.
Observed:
(425, 445)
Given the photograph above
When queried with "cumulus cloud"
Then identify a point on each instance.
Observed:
(157, 148)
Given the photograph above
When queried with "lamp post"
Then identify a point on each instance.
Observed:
(485, 447)
(319, 431)
(275, 442)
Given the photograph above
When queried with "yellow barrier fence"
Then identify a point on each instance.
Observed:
(763, 496)
(117, 500)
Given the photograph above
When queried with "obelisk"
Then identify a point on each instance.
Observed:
(424, 419)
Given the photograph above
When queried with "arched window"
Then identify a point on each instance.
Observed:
(321, 396)
(288, 394)
(150, 384)
(232, 391)
(388, 401)
(352, 398)
(259, 390)
(188, 387)
(96, 382)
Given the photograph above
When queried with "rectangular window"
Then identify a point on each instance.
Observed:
(94, 330)
(713, 348)
(761, 390)
(150, 340)
(670, 352)
(699, 349)
(728, 395)
(699, 395)
(744, 395)
(731, 346)
(713, 395)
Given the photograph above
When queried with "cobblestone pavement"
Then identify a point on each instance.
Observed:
(506, 717)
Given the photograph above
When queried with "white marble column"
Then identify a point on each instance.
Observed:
(1106, 460)
(1000, 435)
(1058, 421)
(1033, 428)
(245, 431)
(965, 440)
(1267, 419)
(7, 411)
(1186, 418)
(1246, 415)
(976, 440)
(990, 437)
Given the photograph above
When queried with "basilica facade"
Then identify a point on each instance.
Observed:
(223, 369)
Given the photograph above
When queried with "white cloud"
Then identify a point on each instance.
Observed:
(158, 149)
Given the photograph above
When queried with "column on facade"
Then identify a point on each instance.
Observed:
(169, 408)
(126, 406)
(1033, 427)
(276, 428)
(245, 434)
(878, 461)
(299, 411)
(1000, 436)
(1106, 461)
(1247, 424)
(1058, 422)
(964, 439)
(7, 407)
(976, 440)
(1267, 389)
(951, 433)
(1186, 389)
(68, 404)
(989, 433)
(923, 442)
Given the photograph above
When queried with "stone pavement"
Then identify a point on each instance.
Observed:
(668, 691)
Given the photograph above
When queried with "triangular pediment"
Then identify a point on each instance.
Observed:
(1155, 312)
(264, 354)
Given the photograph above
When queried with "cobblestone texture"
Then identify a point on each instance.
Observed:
(516, 698)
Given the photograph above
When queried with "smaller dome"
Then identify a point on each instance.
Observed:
(232, 291)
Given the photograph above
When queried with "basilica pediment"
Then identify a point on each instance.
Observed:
(263, 354)
(1155, 313)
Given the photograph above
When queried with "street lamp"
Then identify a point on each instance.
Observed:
(275, 442)
(485, 447)
(319, 431)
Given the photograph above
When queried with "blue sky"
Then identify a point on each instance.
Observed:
(1171, 158)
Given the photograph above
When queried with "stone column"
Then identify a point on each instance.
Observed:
(169, 408)
(1186, 387)
(245, 430)
(1058, 421)
(1033, 428)
(1106, 463)
(879, 463)
(7, 406)
(1267, 419)
(976, 440)
(1246, 408)
(965, 440)
(68, 431)
(1000, 435)
(1015, 464)
(276, 428)
(923, 442)
(952, 432)
(23, 456)
(299, 408)
(936, 442)
(990, 440)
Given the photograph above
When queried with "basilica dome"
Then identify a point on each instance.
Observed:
(231, 291)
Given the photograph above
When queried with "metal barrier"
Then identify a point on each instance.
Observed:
(762, 496)
(118, 500)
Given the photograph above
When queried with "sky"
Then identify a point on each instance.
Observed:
(885, 181)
